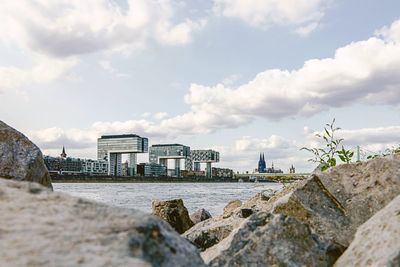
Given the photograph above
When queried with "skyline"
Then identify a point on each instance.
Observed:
(240, 77)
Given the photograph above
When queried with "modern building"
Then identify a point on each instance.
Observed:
(160, 154)
(111, 148)
(151, 169)
(222, 172)
(207, 156)
(63, 165)
(94, 167)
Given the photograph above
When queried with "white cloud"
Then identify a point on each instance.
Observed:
(55, 33)
(264, 13)
(160, 115)
(231, 80)
(44, 70)
(365, 72)
(244, 153)
(65, 28)
(370, 140)
(307, 29)
(106, 65)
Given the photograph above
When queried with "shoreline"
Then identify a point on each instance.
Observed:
(112, 179)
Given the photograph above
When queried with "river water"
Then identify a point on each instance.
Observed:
(211, 196)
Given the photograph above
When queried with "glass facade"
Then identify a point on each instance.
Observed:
(128, 143)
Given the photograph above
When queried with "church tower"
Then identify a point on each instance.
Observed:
(63, 154)
(261, 164)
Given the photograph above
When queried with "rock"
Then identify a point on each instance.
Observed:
(212, 231)
(266, 239)
(267, 194)
(244, 213)
(377, 241)
(199, 216)
(209, 232)
(43, 228)
(174, 212)
(231, 206)
(20, 159)
(336, 202)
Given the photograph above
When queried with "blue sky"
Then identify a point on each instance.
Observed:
(240, 76)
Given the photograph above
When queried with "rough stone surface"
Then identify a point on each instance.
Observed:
(199, 216)
(266, 239)
(377, 241)
(267, 194)
(43, 228)
(209, 232)
(20, 159)
(174, 212)
(335, 203)
(231, 206)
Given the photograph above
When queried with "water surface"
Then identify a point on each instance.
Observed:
(211, 196)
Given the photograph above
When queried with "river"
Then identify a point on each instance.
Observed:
(211, 196)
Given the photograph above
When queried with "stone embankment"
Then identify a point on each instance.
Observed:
(316, 218)
(43, 228)
(346, 216)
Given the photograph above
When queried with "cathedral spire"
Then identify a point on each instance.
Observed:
(63, 154)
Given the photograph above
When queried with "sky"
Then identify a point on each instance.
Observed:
(243, 77)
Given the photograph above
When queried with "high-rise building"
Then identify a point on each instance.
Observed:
(111, 148)
(162, 152)
(207, 156)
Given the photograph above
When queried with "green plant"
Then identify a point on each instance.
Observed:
(326, 157)
(388, 151)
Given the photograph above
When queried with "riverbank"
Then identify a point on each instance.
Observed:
(137, 179)
(165, 179)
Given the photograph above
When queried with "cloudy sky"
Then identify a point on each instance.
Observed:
(239, 76)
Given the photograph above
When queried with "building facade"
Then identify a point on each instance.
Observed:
(207, 156)
(160, 154)
(94, 167)
(151, 169)
(63, 165)
(111, 148)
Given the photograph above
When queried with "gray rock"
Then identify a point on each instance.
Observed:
(43, 228)
(174, 212)
(199, 216)
(210, 232)
(377, 241)
(266, 239)
(335, 203)
(20, 159)
(231, 207)
(267, 194)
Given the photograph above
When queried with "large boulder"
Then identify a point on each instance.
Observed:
(174, 212)
(20, 159)
(266, 239)
(210, 232)
(199, 216)
(43, 228)
(335, 203)
(377, 241)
